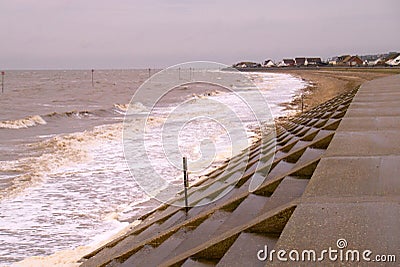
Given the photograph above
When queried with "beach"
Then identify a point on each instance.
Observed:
(326, 84)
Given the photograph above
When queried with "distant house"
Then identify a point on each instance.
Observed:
(393, 60)
(348, 60)
(247, 65)
(354, 61)
(332, 62)
(314, 61)
(309, 61)
(300, 61)
(269, 63)
(287, 63)
(376, 62)
(341, 60)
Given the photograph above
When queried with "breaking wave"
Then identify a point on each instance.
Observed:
(55, 154)
(36, 120)
(23, 123)
(133, 108)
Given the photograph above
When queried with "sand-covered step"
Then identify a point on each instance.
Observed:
(339, 114)
(332, 124)
(111, 252)
(152, 255)
(198, 263)
(299, 145)
(321, 123)
(284, 141)
(281, 168)
(303, 131)
(247, 209)
(289, 189)
(322, 139)
(327, 115)
(203, 192)
(289, 125)
(279, 154)
(312, 122)
(244, 251)
(237, 167)
(202, 233)
(288, 145)
(311, 134)
(308, 155)
(298, 130)
(205, 205)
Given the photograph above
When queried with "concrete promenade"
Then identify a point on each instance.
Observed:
(354, 193)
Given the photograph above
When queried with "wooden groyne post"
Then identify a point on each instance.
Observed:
(92, 78)
(2, 81)
(185, 183)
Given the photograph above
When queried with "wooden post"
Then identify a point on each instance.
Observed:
(302, 103)
(92, 78)
(185, 183)
(2, 81)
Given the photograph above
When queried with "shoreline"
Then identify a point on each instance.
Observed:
(324, 85)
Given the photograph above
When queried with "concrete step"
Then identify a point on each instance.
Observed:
(289, 189)
(247, 210)
(244, 251)
(197, 263)
(153, 256)
(203, 232)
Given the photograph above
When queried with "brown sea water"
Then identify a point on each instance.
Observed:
(63, 177)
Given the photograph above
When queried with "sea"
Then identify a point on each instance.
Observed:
(64, 179)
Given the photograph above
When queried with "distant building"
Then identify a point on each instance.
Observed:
(342, 60)
(269, 63)
(354, 61)
(314, 61)
(348, 60)
(300, 61)
(332, 62)
(393, 60)
(247, 64)
(376, 62)
(287, 63)
(309, 61)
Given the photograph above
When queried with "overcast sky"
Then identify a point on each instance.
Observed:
(158, 33)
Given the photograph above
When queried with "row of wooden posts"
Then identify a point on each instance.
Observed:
(3, 73)
(92, 71)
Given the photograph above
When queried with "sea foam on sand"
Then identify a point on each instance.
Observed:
(71, 257)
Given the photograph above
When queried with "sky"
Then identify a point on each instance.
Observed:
(81, 34)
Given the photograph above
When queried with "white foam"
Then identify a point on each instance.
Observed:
(23, 123)
(71, 257)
